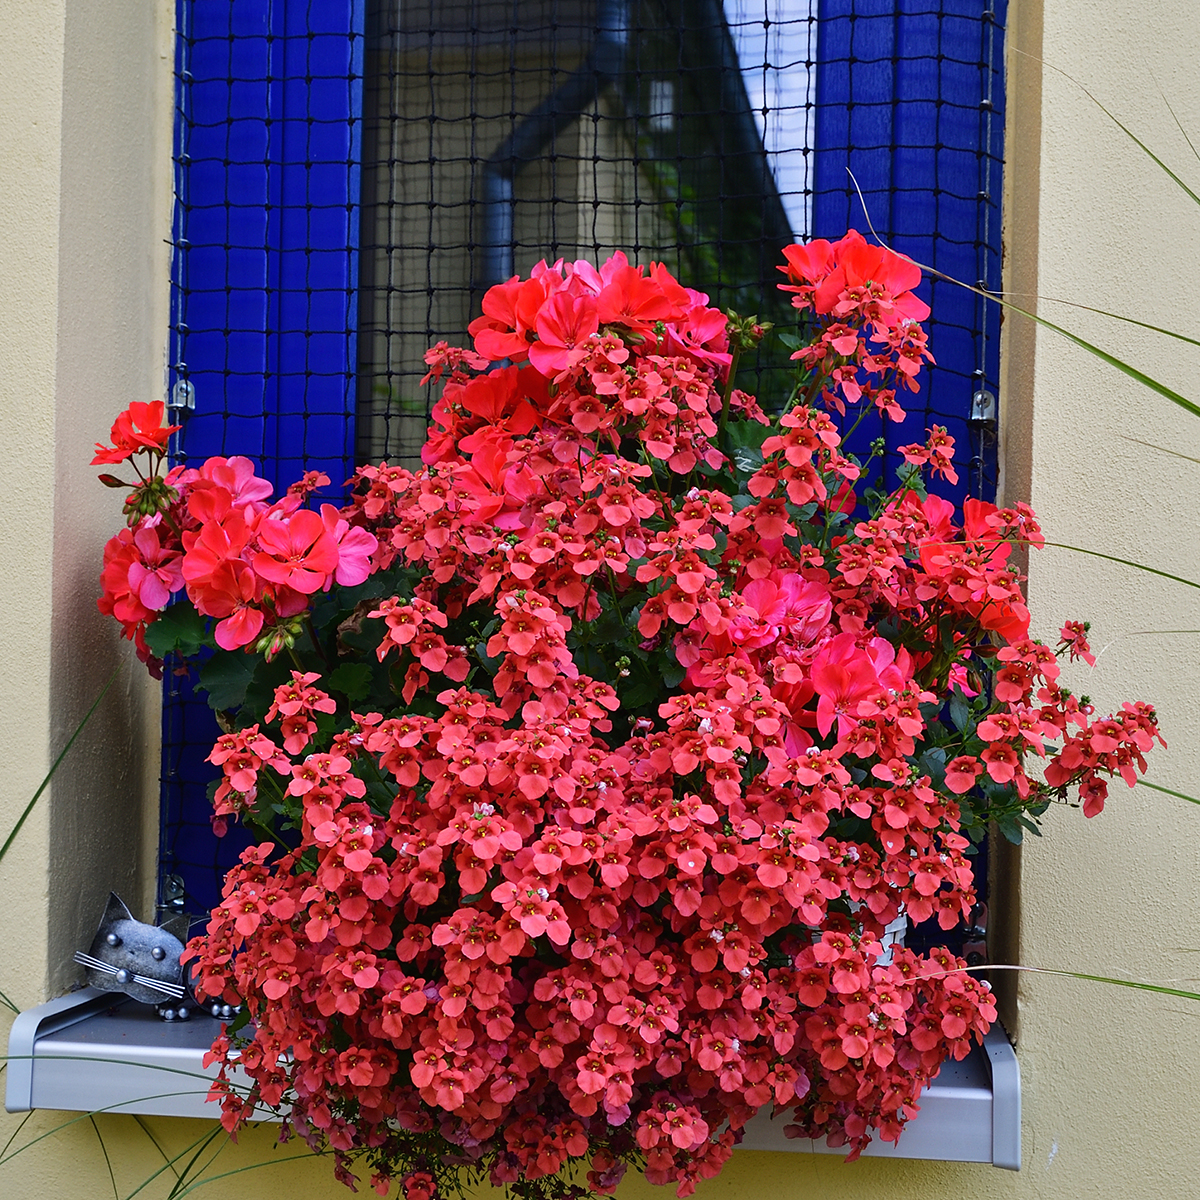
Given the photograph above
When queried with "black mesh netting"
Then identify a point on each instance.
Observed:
(352, 176)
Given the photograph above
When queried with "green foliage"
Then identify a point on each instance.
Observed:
(226, 676)
(179, 630)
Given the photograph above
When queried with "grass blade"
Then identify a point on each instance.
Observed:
(1164, 449)
(1168, 792)
(170, 1163)
(1130, 134)
(156, 1143)
(1126, 983)
(15, 1134)
(1126, 563)
(6, 1157)
(1138, 376)
(54, 767)
(270, 1162)
(107, 1161)
(182, 1178)
(1104, 356)
(1102, 312)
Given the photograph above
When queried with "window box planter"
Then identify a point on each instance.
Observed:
(97, 1051)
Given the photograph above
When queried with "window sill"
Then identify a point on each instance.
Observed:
(970, 1113)
(95, 1051)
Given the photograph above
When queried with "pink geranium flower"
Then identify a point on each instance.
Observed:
(299, 551)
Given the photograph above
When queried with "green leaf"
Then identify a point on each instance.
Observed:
(748, 435)
(352, 679)
(591, 662)
(240, 1021)
(960, 714)
(933, 763)
(946, 632)
(638, 691)
(226, 676)
(746, 460)
(608, 627)
(672, 672)
(1012, 831)
(260, 691)
(179, 630)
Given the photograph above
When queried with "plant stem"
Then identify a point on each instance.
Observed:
(733, 366)
(312, 633)
(54, 766)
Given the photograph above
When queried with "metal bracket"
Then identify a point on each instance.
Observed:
(183, 396)
(983, 407)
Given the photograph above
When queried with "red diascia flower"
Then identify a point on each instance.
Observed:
(607, 761)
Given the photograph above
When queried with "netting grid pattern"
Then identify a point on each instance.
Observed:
(351, 176)
(499, 134)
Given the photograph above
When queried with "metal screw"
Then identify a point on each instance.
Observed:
(173, 887)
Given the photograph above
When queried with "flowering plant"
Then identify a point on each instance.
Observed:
(594, 756)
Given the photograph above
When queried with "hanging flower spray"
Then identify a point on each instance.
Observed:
(594, 756)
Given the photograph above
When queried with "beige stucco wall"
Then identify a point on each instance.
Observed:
(83, 214)
(1110, 1087)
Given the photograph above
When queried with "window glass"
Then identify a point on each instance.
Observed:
(500, 133)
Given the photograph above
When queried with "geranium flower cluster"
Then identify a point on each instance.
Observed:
(247, 563)
(598, 752)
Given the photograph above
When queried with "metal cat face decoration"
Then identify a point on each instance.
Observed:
(140, 960)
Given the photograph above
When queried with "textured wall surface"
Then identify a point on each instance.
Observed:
(1110, 1091)
(85, 143)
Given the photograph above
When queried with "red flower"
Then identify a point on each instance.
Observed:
(564, 325)
(137, 429)
(659, 764)
(299, 552)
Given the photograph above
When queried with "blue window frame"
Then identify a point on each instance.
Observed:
(909, 97)
(910, 141)
(263, 342)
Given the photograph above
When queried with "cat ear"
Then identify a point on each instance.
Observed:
(177, 926)
(116, 911)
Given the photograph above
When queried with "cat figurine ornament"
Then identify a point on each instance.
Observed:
(140, 960)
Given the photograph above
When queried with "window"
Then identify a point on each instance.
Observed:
(343, 184)
(575, 131)
(459, 141)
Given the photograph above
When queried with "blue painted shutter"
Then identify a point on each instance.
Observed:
(910, 98)
(265, 299)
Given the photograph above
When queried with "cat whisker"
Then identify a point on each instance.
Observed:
(174, 990)
(86, 960)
